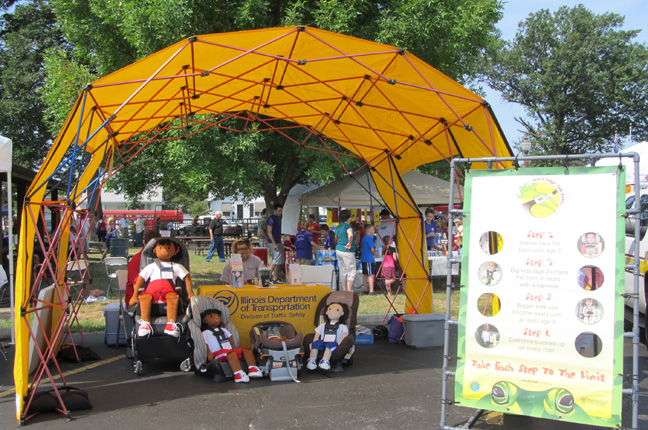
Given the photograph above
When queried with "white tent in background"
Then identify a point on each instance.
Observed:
(348, 193)
(292, 208)
(5, 166)
(639, 148)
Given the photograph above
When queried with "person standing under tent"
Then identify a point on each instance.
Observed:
(262, 229)
(386, 227)
(140, 226)
(304, 244)
(345, 252)
(431, 234)
(275, 243)
(314, 228)
(216, 236)
(367, 258)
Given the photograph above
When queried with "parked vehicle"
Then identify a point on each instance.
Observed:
(149, 215)
(630, 244)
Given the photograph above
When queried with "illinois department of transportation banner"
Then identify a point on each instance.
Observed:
(541, 318)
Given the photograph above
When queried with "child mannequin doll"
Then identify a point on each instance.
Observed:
(220, 347)
(161, 286)
(328, 336)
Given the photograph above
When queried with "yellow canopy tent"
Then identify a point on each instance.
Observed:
(381, 103)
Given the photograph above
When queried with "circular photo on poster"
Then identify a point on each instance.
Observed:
(487, 336)
(590, 244)
(589, 311)
(540, 199)
(490, 273)
(491, 242)
(489, 304)
(590, 278)
(588, 344)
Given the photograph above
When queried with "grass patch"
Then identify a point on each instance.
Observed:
(92, 319)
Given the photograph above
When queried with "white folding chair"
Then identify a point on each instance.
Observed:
(76, 269)
(112, 264)
(317, 274)
(122, 280)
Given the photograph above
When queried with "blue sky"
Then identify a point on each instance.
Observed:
(636, 18)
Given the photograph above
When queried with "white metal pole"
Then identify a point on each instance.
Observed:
(11, 260)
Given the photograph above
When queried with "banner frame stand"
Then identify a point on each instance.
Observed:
(451, 259)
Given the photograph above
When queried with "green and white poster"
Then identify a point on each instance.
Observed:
(541, 317)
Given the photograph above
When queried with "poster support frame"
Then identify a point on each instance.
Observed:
(633, 213)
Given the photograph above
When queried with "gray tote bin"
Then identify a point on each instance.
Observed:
(424, 330)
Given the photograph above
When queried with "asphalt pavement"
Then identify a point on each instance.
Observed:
(388, 387)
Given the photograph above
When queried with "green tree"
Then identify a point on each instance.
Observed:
(110, 34)
(26, 33)
(579, 77)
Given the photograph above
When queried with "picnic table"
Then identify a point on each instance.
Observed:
(200, 244)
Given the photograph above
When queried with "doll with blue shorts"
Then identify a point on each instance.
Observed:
(328, 336)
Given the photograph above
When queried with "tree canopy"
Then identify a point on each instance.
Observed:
(25, 36)
(579, 77)
(97, 37)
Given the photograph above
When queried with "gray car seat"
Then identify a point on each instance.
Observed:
(219, 371)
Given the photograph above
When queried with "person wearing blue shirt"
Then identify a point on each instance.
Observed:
(304, 244)
(275, 244)
(367, 258)
(431, 230)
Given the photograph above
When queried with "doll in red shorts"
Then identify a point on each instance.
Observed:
(161, 277)
(220, 347)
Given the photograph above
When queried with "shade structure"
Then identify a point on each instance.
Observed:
(382, 104)
(361, 192)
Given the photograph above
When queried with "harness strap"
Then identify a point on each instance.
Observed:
(285, 348)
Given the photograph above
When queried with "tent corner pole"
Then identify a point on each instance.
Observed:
(11, 265)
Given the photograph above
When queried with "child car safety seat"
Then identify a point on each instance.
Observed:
(220, 371)
(344, 352)
(159, 345)
(277, 349)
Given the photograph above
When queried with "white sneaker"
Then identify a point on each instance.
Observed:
(324, 364)
(145, 329)
(311, 364)
(255, 372)
(172, 329)
(241, 377)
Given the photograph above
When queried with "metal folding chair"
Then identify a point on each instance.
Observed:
(112, 264)
(122, 279)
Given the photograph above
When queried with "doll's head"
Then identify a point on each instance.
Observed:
(165, 249)
(590, 238)
(492, 266)
(335, 312)
(211, 319)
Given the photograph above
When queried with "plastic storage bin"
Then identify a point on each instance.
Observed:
(423, 330)
(111, 313)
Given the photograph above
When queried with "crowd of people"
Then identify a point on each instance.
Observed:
(373, 246)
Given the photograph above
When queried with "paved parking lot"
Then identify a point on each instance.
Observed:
(388, 387)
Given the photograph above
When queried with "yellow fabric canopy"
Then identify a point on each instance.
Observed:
(381, 103)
